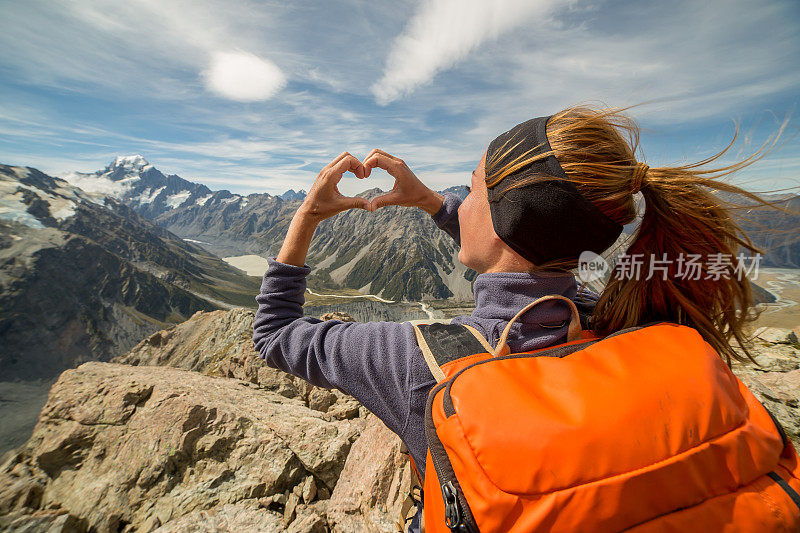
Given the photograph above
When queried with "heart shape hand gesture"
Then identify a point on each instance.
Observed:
(408, 190)
(324, 199)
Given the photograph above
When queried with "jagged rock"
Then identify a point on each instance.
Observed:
(321, 399)
(310, 519)
(276, 500)
(346, 408)
(777, 335)
(219, 343)
(46, 521)
(230, 517)
(290, 509)
(373, 483)
(775, 380)
(323, 493)
(309, 489)
(780, 394)
(119, 446)
(213, 343)
(337, 315)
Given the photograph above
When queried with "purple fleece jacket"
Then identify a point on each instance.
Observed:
(379, 363)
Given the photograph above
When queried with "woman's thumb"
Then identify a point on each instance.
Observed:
(382, 200)
(361, 203)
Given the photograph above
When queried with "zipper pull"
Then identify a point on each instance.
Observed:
(452, 511)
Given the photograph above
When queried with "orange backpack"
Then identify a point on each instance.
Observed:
(646, 429)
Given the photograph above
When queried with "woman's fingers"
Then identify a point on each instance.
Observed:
(379, 151)
(390, 198)
(408, 190)
(342, 164)
(335, 160)
(324, 199)
(390, 164)
(346, 163)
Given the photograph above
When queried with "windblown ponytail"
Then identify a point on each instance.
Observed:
(682, 219)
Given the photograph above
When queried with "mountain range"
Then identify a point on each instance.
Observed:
(348, 251)
(776, 232)
(83, 276)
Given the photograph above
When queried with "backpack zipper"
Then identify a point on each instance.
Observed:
(452, 511)
(458, 516)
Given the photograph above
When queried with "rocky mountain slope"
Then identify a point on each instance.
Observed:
(775, 231)
(191, 431)
(83, 277)
(349, 250)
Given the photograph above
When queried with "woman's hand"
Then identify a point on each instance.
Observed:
(408, 190)
(324, 199)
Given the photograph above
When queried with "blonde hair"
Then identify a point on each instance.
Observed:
(597, 150)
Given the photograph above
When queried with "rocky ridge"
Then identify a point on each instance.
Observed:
(211, 439)
(191, 431)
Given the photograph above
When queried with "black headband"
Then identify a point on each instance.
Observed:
(547, 219)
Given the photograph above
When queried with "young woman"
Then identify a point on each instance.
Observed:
(531, 210)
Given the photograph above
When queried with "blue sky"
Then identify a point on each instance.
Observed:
(259, 96)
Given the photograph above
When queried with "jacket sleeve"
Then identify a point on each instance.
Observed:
(447, 216)
(370, 361)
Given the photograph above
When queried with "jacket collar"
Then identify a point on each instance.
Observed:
(501, 295)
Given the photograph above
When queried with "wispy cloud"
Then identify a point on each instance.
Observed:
(442, 33)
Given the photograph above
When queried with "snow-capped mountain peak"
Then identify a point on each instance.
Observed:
(134, 181)
(132, 162)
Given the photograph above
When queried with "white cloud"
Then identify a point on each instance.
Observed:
(94, 183)
(443, 32)
(243, 76)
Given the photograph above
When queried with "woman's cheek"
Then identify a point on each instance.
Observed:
(461, 230)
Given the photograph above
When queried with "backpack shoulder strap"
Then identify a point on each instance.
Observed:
(585, 300)
(442, 343)
(414, 497)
